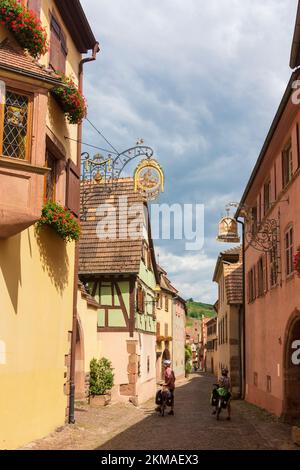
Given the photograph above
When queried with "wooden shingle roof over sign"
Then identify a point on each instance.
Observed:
(121, 254)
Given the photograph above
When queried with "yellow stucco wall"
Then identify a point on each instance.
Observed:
(36, 301)
(36, 284)
(59, 125)
(90, 337)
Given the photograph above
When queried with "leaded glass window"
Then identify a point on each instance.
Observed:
(15, 126)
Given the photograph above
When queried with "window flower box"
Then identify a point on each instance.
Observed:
(70, 100)
(297, 262)
(25, 26)
(61, 220)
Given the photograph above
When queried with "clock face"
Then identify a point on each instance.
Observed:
(149, 179)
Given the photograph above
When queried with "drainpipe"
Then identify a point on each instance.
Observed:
(76, 263)
(242, 328)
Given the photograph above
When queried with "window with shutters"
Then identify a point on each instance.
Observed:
(166, 303)
(251, 285)
(274, 265)
(15, 125)
(289, 251)
(260, 277)
(50, 178)
(58, 46)
(267, 196)
(140, 300)
(254, 216)
(287, 164)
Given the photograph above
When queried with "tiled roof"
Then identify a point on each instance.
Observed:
(233, 251)
(234, 282)
(84, 293)
(115, 255)
(13, 57)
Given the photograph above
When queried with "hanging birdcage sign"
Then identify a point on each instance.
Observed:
(228, 230)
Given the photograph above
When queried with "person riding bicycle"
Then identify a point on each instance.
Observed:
(169, 377)
(224, 390)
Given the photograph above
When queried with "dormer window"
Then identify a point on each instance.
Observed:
(16, 126)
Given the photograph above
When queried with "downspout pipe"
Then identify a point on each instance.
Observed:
(242, 326)
(96, 49)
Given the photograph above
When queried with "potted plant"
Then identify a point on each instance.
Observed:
(101, 382)
(70, 100)
(297, 261)
(25, 26)
(61, 220)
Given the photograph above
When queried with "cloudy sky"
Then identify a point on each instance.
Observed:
(200, 82)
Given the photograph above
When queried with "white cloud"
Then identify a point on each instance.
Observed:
(200, 82)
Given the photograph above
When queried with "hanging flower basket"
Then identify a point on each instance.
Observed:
(25, 26)
(61, 220)
(71, 100)
(297, 261)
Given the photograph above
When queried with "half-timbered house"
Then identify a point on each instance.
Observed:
(118, 267)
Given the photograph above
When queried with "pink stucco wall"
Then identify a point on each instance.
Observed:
(267, 317)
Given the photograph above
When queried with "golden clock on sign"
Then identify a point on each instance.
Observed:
(149, 179)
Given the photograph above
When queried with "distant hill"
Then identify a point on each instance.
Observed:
(197, 309)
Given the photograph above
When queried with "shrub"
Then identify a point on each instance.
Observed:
(25, 26)
(188, 368)
(61, 220)
(71, 100)
(188, 353)
(101, 376)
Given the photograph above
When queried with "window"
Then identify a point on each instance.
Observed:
(269, 384)
(15, 139)
(274, 265)
(254, 220)
(260, 275)
(251, 286)
(50, 178)
(58, 46)
(267, 197)
(289, 251)
(255, 379)
(166, 303)
(166, 330)
(140, 300)
(148, 364)
(158, 329)
(287, 164)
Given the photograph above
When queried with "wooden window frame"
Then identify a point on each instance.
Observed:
(274, 265)
(28, 152)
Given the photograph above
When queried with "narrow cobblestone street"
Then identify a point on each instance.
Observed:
(193, 426)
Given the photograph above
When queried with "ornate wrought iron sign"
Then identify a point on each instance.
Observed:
(103, 172)
(265, 237)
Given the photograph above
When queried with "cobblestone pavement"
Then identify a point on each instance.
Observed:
(193, 427)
